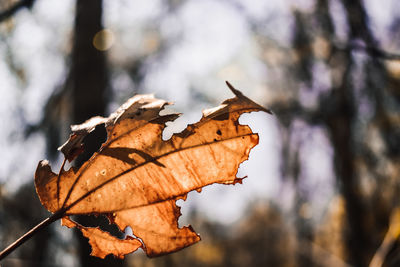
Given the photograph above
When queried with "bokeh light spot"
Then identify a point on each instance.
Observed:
(103, 40)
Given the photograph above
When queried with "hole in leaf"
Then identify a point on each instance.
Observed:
(99, 221)
(92, 143)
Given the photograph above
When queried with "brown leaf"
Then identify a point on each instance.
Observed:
(137, 177)
(103, 243)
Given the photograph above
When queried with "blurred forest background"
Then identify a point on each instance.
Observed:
(322, 186)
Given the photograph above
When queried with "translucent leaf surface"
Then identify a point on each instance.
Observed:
(136, 177)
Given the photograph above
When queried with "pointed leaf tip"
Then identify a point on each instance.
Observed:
(234, 90)
(240, 95)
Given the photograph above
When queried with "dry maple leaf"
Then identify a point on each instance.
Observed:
(136, 177)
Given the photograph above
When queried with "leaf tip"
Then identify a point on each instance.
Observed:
(234, 90)
(239, 95)
(43, 163)
(43, 170)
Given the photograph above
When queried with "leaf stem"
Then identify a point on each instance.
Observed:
(56, 216)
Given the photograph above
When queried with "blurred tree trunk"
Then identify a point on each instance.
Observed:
(338, 115)
(88, 80)
(362, 219)
(338, 112)
(339, 123)
(88, 69)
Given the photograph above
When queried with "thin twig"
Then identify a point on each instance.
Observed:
(56, 216)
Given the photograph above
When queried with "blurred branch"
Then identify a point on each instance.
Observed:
(369, 50)
(5, 14)
(287, 111)
(391, 236)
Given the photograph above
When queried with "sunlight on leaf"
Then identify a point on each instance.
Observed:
(136, 177)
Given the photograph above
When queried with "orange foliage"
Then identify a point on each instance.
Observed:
(136, 177)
